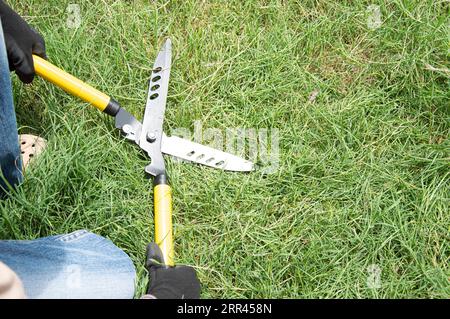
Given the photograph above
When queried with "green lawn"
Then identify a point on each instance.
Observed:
(363, 176)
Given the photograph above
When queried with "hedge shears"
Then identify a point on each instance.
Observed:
(150, 137)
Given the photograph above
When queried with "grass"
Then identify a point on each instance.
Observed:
(363, 177)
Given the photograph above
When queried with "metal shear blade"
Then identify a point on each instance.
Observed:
(152, 128)
(150, 136)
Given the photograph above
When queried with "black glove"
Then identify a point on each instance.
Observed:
(21, 42)
(179, 282)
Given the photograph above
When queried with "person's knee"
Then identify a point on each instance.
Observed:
(105, 271)
(76, 265)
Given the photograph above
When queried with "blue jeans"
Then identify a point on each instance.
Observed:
(10, 161)
(76, 265)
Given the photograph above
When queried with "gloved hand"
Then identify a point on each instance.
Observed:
(179, 282)
(21, 42)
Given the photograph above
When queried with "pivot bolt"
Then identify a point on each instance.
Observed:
(127, 128)
(151, 137)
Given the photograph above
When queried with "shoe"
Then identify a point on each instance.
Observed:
(31, 146)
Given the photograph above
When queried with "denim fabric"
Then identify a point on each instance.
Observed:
(77, 265)
(10, 161)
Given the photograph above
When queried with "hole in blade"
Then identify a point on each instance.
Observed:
(190, 153)
(220, 163)
(158, 69)
(154, 96)
(200, 156)
(154, 87)
(209, 160)
(156, 78)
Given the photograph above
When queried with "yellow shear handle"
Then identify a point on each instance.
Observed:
(74, 86)
(163, 222)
